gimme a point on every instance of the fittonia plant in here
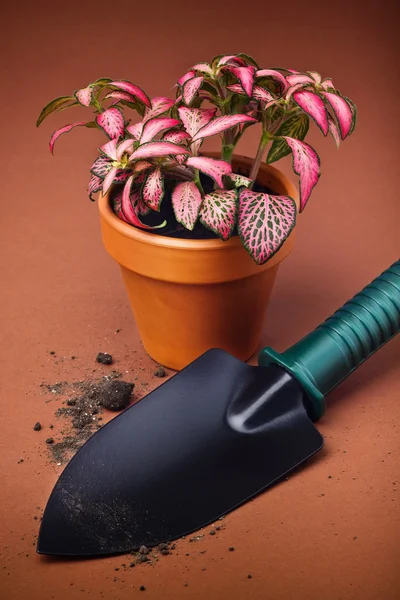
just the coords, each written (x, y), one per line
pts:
(223, 97)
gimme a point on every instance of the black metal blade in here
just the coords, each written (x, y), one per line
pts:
(207, 440)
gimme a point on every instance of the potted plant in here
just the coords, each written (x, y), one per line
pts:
(199, 236)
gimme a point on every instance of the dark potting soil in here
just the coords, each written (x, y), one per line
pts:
(176, 230)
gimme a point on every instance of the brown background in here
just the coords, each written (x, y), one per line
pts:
(60, 291)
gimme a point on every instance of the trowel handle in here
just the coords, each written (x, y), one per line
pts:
(327, 355)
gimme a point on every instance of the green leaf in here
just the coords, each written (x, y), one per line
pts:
(296, 127)
(92, 125)
(249, 59)
(102, 81)
(56, 105)
(353, 110)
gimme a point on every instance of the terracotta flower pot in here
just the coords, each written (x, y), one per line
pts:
(188, 296)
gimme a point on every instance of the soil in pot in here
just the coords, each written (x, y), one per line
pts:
(174, 229)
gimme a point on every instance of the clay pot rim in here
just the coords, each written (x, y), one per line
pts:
(188, 244)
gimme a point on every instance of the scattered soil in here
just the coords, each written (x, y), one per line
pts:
(104, 358)
(115, 395)
(160, 372)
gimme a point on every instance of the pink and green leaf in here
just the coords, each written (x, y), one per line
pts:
(264, 223)
(186, 202)
(159, 106)
(342, 111)
(327, 84)
(119, 96)
(220, 124)
(334, 130)
(240, 180)
(153, 189)
(110, 149)
(123, 148)
(316, 76)
(214, 168)
(61, 131)
(133, 90)
(157, 149)
(122, 175)
(176, 137)
(295, 126)
(233, 59)
(130, 206)
(246, 78)
(135, 130)
(314, 106)
(112, 122)
(218, 212)
(194, 119)
(155, 126)
(101, 166)
(191, 88)
(353, 109)
(306, 165)
(260, 93)
(299, 78)
(116, 202)
(94, 186)
(56, 105)
(189, 75)
(109, 179)
(236, 88)
(274, 75)
(84, 95)
(141, 165)
(203, 68)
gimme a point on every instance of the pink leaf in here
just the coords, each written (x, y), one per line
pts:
(109, 179)
(62, 130)
(314, 106)
(154, 126)
(181, 159)
(123, 147)
(233, 59)
(122, 175)
(101, 166)
(130, 206)
(220, 124)
(190, 89)
(84, 96)
(293, 88)
(342, 111)
(316, 76)
(274, 75)
(112, 122)
(239, 180)
(176, 137)
(135, 130)
(116, 200)
(186, 77)
(186, 201)
(139, 205)
(218, 212)
(203, 68)
(118, 96)
(212, 167)
(153, 189)
(194, 119)
(334, 131)
(327, 84)
(94, 186)
(159, 106)
(141, 165)
(110, 149)
(236, 88)
(264, 223)
(299, 78)
(133, 90)
(306, 165)
(246, 77)
(259, 93)
(155, 149)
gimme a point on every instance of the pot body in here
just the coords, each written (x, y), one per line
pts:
(188, 296)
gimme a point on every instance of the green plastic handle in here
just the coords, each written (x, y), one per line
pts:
(327, 355)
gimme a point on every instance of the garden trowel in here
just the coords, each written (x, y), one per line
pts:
(211, 437)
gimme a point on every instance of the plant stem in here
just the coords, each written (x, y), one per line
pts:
(227, 151)
(197, 181)
(259, 156)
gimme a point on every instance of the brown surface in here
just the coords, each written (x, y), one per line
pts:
(61, 292)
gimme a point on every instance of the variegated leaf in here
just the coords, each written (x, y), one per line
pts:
(264, 223)
(119, 96)
(101, 166)
(191, 88)
(176, 137)
(116, 202)
(157, 149)
(260, 93)
(153, 189)
(212, 167)
(94, 186)
(130, 206)
(141, 165)
(299, 78)
(135, 130)
(293, 88)
(342, 113)
(155, 126)
(194, 119)
(112, 122)
(296, 127)
(240, 180)
(133, 90)
(306, 165)
(218, 212)
(233, 59)
(186, 202)
(316, 76)
(85, 95)
(181, 158)
(327, 84)
(122, 175)
(203, 68)
(62, 130)
(333, 130)
(274, 75)
(220, 124)
(353, 109)
(109, 179)
(110, 149)
(182, 80)
(236, 88)
(124, 147)
(314, 106)
(246, 78)
(56, 105)
(159, 106)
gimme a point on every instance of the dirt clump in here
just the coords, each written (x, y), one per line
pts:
(104, 358)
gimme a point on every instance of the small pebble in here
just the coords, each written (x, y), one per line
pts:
(212, 532)
(50, 440)
(37, 426)
(160, 372)
(52, 352)
(104, 358)
(131, 565)
(142, 588)
(71, 402)
(249, 576)
(231, 548)
(144, 550)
